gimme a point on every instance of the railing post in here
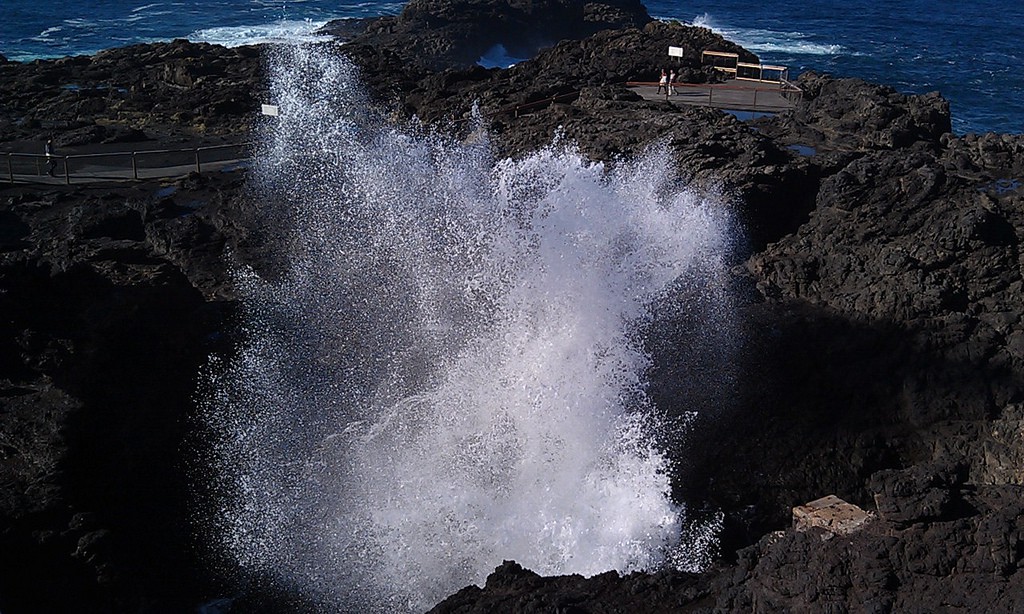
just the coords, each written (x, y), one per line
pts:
(67, 171)
(198, 169)
(10, 168)
(755, 98)
(135, 168)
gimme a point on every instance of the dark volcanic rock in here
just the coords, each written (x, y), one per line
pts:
(106, 295)
(178, 90)
(921, 493)
(437, 34)
(346, 29)
(514, 589)
(958, 563)
(914, 261)
(853, 115)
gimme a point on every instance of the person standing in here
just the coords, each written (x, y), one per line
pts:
(672, 83)
(51, 159)
(663, 82)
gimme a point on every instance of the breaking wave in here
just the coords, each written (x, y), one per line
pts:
(768, 41)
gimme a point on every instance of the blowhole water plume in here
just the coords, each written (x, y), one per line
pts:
(446, 371)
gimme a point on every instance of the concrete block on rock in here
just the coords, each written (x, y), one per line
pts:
(832, 514)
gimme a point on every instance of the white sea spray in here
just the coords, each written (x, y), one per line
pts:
(446, 372)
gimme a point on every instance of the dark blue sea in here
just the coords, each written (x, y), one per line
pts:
(970, 51)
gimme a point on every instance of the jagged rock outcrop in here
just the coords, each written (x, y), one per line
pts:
(167, 91)
(106, 295)
(854, 115)
(438, 34)
(928, 245)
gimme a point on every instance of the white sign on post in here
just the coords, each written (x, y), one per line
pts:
(270, 109)
(675, 52)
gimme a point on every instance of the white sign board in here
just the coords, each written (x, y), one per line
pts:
(270, 109)
(675, 52)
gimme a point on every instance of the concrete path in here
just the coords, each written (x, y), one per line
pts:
(121, 166)
(99, 173)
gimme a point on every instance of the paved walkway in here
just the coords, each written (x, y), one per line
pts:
(99, 173)
(121, 166)
(736, 95)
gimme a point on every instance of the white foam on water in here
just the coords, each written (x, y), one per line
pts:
(282, 31)
(760, 40)
(81, 23)
(498, 57)
(376, 8)
(447, 373)
(145, 7)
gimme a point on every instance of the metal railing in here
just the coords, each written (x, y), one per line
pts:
(791, 91)
(518, 109)
(523, 108)
(724, 61)
(124, 165)
(778, 98)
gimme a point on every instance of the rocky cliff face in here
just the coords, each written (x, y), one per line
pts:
(884, 347)
(111, 300)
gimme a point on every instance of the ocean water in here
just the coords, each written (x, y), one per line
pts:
(970, 51)
(32, 29)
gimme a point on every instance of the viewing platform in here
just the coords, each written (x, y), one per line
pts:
(121, 165)
(756, 88)
(733, 95)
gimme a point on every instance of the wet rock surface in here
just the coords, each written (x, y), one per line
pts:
(879, 286)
